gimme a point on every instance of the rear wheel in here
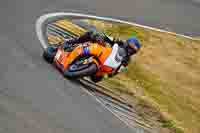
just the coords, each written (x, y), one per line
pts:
(87, 70)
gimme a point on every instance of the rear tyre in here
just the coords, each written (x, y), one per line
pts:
(90, 70)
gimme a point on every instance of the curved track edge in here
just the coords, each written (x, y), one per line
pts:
(46, 18)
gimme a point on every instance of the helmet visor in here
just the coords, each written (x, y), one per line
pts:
(132, 46)
(131, 51)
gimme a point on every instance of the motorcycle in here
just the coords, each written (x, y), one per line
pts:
(91, 66)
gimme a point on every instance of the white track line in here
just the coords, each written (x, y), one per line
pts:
(43, 18)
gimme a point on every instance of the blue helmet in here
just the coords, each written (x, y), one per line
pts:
(133, 45)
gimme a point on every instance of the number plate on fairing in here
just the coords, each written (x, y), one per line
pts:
(60, 55)
(59, 58)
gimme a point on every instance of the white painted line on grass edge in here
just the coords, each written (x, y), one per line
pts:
(44, 17)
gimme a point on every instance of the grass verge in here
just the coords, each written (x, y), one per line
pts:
(164, 78)
(165, 72)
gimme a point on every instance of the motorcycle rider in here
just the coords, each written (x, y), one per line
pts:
(127, 47)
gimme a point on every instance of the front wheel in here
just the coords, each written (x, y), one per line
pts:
(88, 70)
(49, 54)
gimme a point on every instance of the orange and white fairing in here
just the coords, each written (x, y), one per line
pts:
(102, 56)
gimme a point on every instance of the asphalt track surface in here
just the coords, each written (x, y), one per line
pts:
(34, 97)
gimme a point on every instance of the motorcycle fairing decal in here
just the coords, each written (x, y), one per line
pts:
(86, 51)
(111, 61)
(72, 56)
(96, 49)
(58, 54)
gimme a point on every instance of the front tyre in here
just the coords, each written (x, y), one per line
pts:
(49, 54)
(89, 70)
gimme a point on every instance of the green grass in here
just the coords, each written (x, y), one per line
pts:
(172, 125)
(167, 70)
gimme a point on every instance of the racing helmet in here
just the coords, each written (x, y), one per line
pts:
(133, 45)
